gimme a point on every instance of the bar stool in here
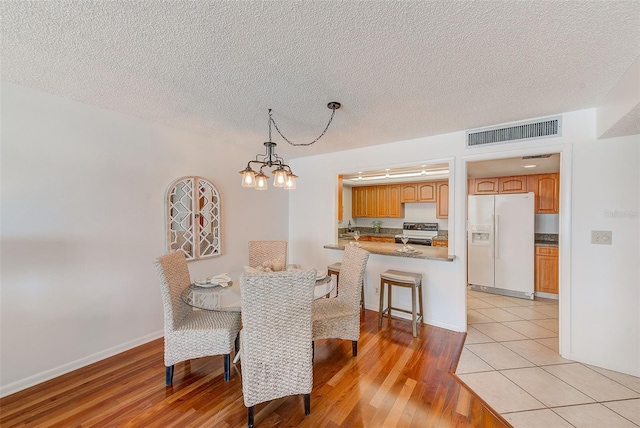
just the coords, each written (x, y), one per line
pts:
(402, 279)
(334, 269)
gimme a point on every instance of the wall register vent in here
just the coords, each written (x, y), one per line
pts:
(550, 127)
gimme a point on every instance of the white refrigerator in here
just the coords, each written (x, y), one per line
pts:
(500, 244)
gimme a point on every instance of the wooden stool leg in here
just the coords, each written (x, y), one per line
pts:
(381, 302)
(413, 310)
(420, 303)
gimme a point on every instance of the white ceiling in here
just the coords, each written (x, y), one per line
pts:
(401, 70)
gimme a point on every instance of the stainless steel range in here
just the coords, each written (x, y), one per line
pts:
(418, 233)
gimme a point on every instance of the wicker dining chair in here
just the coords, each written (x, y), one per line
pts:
(339, 318)
(191, 334)
(267, 251)
(276, 337)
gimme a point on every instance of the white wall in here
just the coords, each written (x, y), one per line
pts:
(582, 295)
(605, 284)
(82, 220)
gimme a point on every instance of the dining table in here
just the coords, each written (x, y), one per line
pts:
(226, 297)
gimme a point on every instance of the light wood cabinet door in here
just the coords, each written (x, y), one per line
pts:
(409, 192)
(371, 203)
(382, 206)
(484, 186)
(382, 239)
(396, 209)
(427, 192)
(442, 201)
(546, 269)
(340, 208)
(439, 243)
(358, 202)
(547, 190)
(513, 184)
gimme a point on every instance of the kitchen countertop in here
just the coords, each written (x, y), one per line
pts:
(389, 249)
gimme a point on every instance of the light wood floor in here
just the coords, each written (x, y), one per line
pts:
(394, 381)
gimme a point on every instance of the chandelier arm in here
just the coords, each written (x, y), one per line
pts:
(271, 120)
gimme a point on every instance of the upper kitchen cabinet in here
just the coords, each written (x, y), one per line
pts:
(547, 190)
(377, 201)
(483, 186)
(419, 192)
(358, 202)
(409, 192)
(513, 184)
(442, 200)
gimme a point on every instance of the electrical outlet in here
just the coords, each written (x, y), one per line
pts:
(377, 289)
(601, 237)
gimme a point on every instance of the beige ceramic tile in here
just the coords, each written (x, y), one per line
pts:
(473, 293)
(593, 416)
(527, 313)
(551, 311)
(546, 388)
(474, 336)
(498, 314)
(536, 419)
(500, 301)
(498, 356)
(629, 409)
(550, 324)
(500, 393)
(535, 352)
(499, 332)
(629, 381)
(551, 343)
(475, 303)
(529, 329)
(470, 363)
(474, 317)
(590, 382)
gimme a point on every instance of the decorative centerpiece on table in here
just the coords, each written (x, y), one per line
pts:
(376, 226)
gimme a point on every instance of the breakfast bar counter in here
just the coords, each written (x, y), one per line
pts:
(394, 250)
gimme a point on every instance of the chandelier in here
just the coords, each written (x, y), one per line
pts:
(282, 175)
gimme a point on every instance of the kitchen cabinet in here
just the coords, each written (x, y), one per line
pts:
(340, 208)
(418, 192)
(370, 238)
(409, 192)
(513, 184)
(382, 209)
(546, 269)
(439, 243)
(442, 199)
(547, 191)
(396, 209)
(426, 191)
(377, 201)
(371, 201)
(358, 202)
(483, 186)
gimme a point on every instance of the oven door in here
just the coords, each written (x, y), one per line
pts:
(419, 241)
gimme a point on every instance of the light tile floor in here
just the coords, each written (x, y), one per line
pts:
(510, 358)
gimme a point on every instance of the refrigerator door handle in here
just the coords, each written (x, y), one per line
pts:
(492, 242)
(496, 228)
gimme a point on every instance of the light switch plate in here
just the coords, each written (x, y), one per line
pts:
(602, 237)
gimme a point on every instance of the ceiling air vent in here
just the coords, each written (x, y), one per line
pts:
(550, 127)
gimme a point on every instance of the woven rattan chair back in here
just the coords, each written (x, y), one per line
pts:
(276, 334)
(267, 251)
(173, 273)
(354, 262)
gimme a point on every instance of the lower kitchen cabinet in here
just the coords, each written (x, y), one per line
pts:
(546, 269)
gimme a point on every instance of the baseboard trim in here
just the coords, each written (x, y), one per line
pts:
(46, 375)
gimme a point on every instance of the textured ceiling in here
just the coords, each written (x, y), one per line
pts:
(400, 69)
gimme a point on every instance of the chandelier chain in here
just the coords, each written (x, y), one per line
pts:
(333, 112)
